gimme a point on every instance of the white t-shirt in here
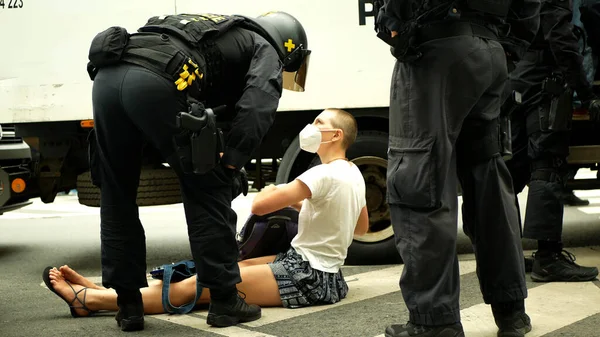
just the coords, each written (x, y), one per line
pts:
(327, 220)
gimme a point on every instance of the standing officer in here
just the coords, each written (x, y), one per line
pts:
(587, 35)
(445, 103)
(550, 70)
(156, 86)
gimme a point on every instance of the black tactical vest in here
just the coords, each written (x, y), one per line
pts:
(181, 48)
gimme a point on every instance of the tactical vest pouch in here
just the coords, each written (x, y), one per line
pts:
(494, 7)
(192, 28)
(108, 46)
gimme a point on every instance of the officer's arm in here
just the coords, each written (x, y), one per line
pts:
(524, 20)
(558, 31)
(272, 198)
(390, 14)
(255, 110)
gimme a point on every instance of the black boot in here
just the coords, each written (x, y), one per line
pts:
(409, 330)
(130, 316)
(228, 312)
(560, 266)
(511, 319)
(529, 264)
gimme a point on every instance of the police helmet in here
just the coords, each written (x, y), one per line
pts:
(289, 38)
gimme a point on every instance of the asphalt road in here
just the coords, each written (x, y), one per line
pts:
(67, 233)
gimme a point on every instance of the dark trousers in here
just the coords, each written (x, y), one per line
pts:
(533, 149)
(437, 104)
(133, 106)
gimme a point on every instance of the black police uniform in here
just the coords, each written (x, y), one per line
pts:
(135, 103)
(540, 131)
(445, 101)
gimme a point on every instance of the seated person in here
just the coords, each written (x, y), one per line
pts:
(332, 205)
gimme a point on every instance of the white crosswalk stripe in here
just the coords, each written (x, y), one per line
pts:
(551, 306)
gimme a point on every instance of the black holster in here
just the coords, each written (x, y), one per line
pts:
(556, 111)
(504, 124)
(205, 139)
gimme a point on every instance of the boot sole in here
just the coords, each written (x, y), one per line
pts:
(538, 278)
(131, 324)
(223, 321)
(458, 334)
(519, 333)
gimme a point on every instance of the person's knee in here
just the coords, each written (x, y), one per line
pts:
(478, 142)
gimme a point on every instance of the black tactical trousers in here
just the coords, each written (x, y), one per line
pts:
(539, 157)
(132, 106)
(438, 106)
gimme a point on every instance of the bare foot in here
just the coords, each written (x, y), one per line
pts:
(75, 278)
(61, 286)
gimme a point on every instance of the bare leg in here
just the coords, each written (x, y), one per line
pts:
(256, 260)
(258, 284)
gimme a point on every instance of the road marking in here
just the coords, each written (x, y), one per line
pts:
(198, 322)
(368, 285)
(551, 307)
(589, 210)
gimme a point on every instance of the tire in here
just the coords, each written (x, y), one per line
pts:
(157, 187)
(369, 153)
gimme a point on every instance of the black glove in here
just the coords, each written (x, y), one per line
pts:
(593, 107)
(240, 183)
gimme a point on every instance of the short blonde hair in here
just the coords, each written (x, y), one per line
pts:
(345, 121)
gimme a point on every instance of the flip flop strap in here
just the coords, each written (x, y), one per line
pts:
(83, 306)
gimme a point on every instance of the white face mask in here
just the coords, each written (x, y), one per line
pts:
(310, 138)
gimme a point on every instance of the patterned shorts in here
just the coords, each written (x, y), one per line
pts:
(300, 285)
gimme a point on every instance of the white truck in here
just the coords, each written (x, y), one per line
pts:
(45, 100)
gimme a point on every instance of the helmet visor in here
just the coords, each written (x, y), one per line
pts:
(295, 80)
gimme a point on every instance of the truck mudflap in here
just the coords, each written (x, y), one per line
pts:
(10, 187)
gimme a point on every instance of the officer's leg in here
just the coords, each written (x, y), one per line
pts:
(154, 104)
(429, 101)
(491, 220)
(544, 218)
(118, 151)
(490, 216)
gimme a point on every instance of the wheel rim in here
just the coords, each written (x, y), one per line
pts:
(374, 170)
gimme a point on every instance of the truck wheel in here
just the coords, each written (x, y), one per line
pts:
(157, 187)
(369, 153)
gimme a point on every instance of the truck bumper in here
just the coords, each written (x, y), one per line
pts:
(9, 199)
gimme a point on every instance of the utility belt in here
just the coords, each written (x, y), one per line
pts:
(200, 143)
(454, 28)
(163, 54)
(405, 45)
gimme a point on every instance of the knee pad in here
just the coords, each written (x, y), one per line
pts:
(479, 141)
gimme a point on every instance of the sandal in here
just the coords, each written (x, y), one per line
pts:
(46, 278)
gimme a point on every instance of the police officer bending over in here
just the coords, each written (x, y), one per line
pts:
(159, 86)
(550, 70)
(445, 103)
